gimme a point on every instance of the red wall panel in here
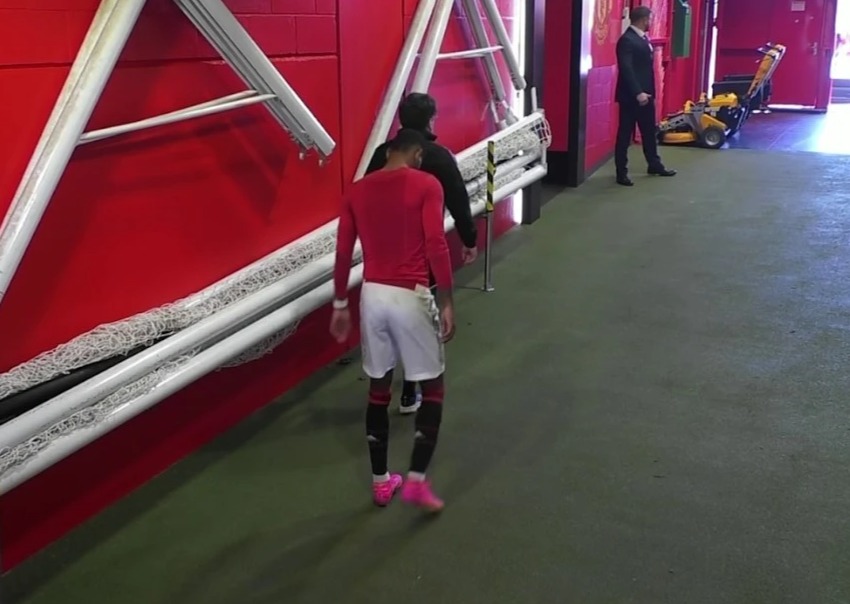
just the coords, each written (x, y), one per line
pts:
(601, 115)
(742, 28)
(145, 219)
(601, 82)
(682, 75)
(556, 77)
(368, 54)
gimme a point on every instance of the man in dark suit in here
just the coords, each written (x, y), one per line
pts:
(636, 96)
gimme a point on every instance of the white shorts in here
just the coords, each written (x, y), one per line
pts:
(399, 324)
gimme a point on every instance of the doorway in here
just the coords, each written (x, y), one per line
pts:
(805, 27)
(840, 67)
(810, 91)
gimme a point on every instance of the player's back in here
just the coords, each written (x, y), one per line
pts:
(387, 206)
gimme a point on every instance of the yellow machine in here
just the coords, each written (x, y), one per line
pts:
(709, 122)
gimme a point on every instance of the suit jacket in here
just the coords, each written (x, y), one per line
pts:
(440, 162)
(636, 67)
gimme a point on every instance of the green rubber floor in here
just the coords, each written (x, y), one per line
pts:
(652, 407)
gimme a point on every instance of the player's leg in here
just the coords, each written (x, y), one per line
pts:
(415, 328)
(379, 360)
(411, 396)
(417, 489)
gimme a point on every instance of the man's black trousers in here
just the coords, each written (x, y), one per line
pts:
(632, 114)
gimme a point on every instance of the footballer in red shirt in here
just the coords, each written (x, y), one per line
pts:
(397, 213)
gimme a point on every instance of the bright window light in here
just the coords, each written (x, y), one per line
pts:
(518, 104)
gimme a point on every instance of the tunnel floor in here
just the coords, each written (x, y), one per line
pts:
(652, 407)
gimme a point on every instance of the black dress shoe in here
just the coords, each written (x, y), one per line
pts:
(661, 171)
(625, 181)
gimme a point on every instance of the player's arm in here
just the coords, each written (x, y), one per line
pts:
(437, 251)
(346, 236)
(456, 196)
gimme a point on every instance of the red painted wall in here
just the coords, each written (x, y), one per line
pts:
(601, 82)
(557, 50)
(682, 75)
(744, 26)
(148, 218)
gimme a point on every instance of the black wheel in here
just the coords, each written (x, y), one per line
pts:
(713, 137)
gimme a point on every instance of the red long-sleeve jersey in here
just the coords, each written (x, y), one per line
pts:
(398, 216)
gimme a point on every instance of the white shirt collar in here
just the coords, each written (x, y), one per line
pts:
(640, 32)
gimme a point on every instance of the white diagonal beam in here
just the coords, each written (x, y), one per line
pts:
(236, 46)
(92, 67)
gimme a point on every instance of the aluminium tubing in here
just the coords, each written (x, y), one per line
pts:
(479, 35)
(504, 39)
(431, 50)
(189, 113)
(213, 357)
(19, 403)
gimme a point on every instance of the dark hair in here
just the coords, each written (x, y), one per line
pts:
(639, 12)
(417, 110)
(406, 140)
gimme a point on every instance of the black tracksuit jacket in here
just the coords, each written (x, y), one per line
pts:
(440, 162)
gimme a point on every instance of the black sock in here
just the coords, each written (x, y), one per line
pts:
(377, 435)
(408, 390)
(427, 429)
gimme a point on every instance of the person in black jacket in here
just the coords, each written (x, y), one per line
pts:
(636, 96)
(417, 112)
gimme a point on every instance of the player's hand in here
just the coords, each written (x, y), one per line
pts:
(447, 322)
(643, 98)
(341, 325)
(469, 254)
